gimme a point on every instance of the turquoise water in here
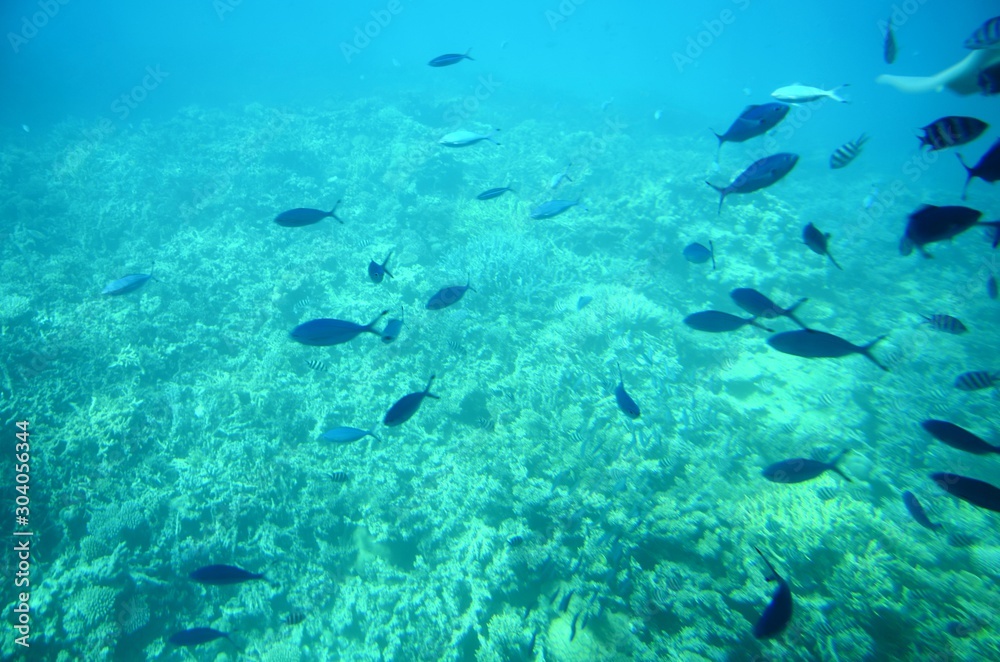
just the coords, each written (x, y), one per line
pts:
(521, 516)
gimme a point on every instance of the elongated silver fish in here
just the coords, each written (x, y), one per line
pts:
(847, 152)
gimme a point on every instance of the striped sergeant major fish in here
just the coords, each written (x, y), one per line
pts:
(986, 35)
(847, 152)
(976, 380)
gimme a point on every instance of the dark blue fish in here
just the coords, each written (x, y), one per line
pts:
(958, 437)
(494, 193)
(552, 208)
(625, 401)
(917, 511)
(393, 328)
(408, 405)
(450, 59)
(986, 169)
(931, 223)
(812, 344)
(759, 305)
(761, 174)
(447, 296)
(326, 331)
(799, 469)
(583, 301)
(222, 575)
(976, 380)
(378, 271)
(294, 218)
(986, 35)
(754, 121)
(714, 321)
(889, 45)
(951, 131)
(989, 80)
(778, 612)
(991, 287)
(847, 152)
(126, 284)
(817, 242)
(346, 435)
(697, 253)
(196, 636)
(946, 323)
(976, 492)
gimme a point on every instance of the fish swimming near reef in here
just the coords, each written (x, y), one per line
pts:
(301, 216)
(986, 169)
(755, 120)
(951, 131)
(223, 575)
(696, 253)
(393, 328)
(463, 138)
(126, 284)
(447, 296)
(625, 402)
(986, 35)
(492, 193)
(889, 44)
(760, 305)
(931, 223)
(563, 176)
(760, 174)
(404, 408)
(378, 271)
(976, 380)
(818, 242)
(958, 437)
(449, 59)
(715, 321)
(799, 469)
(326, 331)
(846, 153)
(339, 476)
(778, 612)
(917, 511)
(346, 435)
(812, 344)
(804, 93)
(197, 636)
(945, 323)
(977, 492)
(552, 208)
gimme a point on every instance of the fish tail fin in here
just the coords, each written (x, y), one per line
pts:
(836, 97)
(834, 261)
(754, 322)
(711, 247)
(371, 433)
(427, 391)
(866, 350)
(387, 272)
(773, 576)
(493, 133)
(791, 310)
(835, 461)
(368, 327)
(718, 151)
(333, 212)
(969, 175)
(467, 51)
(996, 235)
(722, 194)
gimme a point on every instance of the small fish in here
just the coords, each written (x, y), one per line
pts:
(976, 380)
(804, 93)
(407, 406)
(986, 35)
(449, 59)
(945, 323)
(393, 328)
(991, 287)
(558, 179)
(378, 271)
(987, 169)
(931, 223)
(624, 400)
(951, 131)
(447, 296)
(564, 603)
(754, 121)
(295, 618)
(714, 321)
(295, 218)
(799, 470)
(818, 242)
(657, 114)
(515, 541)
(318, 366)
(464, 138)
(196, 636)
(976, 492)
(552, 208)
(871, 198)
(813, 344)
(126, 284)
(223, 575)
(917, 511)
(989, 80)
(759, 305)
(760, 174)
(847, 152)
(696, 253)
(778, 611)
(326, 331)
(889, 45)
(583, 301)
(346, 435)
(958, 437)
(339, 476)
(489, 194)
